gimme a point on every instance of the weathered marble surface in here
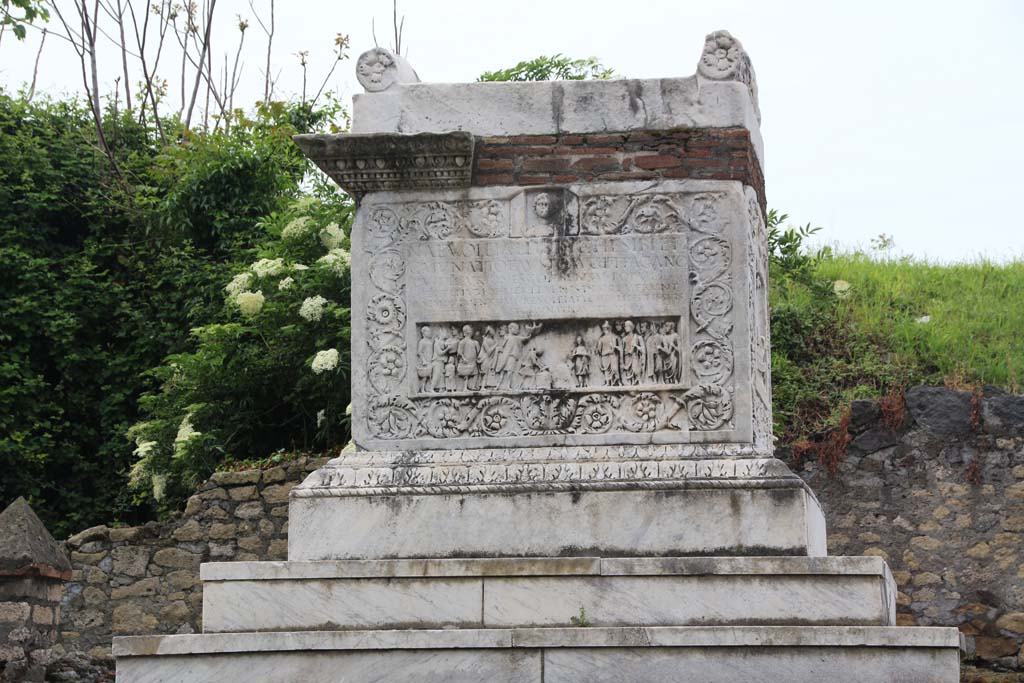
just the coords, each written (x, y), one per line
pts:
(480, 593)
(741, 518)
(601, 314)
(721, 654)
(561, 106)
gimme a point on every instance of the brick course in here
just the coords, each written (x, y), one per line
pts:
(702, 153)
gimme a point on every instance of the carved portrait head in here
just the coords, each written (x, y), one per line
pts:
(606, 326)
(426, 332)
(629, 326)
(513, 328)
(467, 331)
(542, 205)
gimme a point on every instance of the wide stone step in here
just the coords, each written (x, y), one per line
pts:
(838, 654)
(546, 592)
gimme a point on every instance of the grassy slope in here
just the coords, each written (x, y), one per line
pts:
(829, 350)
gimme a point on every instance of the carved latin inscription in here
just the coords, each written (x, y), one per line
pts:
(511, 317)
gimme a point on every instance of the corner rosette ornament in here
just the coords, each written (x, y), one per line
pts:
(387, 270)
(709, 407)
(393, 417)
(383, 225)
(711, 256)
(497, 416)
(712, 361)
(387, 312)
(596, 414)
(444, 419)
(642, 415)
(387, 369)
(724, 59)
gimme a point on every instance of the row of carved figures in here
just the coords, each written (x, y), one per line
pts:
(502, 358)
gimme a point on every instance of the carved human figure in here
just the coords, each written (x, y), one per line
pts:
(437, 362)
(619, 328)
(488, 359)
(451, 351)
(579, 360)
(609, 350)
(669, 351)
(655, 366)
(424, 358)
(531, 367)
(468, 358)
(634, 353)
(511, 352)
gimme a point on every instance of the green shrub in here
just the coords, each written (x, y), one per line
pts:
(270, 371)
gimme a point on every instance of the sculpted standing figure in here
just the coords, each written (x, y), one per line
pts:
(424, 358)
(579, 359)
(468, 354)
(633, 355)
(488, 359)
(609, 349)
(670, 348)
(655, 367)
(512, 351)
(437, 362)
(451, 350)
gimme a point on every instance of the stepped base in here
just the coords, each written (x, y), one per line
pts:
(516, 593)
(559, 655)
(696, 518)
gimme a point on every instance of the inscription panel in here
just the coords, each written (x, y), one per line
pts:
(612, 313)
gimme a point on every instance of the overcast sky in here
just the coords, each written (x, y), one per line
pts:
(896, 117)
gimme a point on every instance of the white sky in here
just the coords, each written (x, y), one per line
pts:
(897, 117)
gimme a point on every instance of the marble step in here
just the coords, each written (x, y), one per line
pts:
(734, 654)
(546, 592)
(777, 515)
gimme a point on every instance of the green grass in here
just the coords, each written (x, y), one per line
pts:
(828, 350)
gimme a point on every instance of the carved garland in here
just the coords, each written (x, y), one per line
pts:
(707, 406)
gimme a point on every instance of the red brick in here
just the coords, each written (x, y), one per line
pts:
(570, 140)
(606, 139)
(515, 151)
(658, 161)
(534, 180)
(494, 179)
(583, 150)
(676, 173)
(597, 164)
(534, 139)
(631, 175)
(495, 164)
(643, 136)
(545, 164)
(566, 179)
(495, 140)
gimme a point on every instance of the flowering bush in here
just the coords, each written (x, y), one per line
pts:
(271, 372)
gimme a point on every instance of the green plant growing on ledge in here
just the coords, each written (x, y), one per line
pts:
(580, 620)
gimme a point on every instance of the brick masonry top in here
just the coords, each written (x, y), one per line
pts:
(700, 153)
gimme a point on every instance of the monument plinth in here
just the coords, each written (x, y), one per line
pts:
(562, 411)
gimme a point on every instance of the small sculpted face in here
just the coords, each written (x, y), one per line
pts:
(542, 205)
(372, 68)
(427, 332)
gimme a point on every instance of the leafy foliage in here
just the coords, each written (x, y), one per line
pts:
(252, 383)
(105, 273)
(554, 68)
(25, 12)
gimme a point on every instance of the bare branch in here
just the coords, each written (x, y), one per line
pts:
(202, 59)
(147, 76)
(35, 69)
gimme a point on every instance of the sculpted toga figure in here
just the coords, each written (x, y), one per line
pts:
(669, 352)
(609, 349)
(438, 357)
(468, 353)
(579, 360)
(655, 368)
(488, 358)
(511, 352)
(424, 358)
(633, 355)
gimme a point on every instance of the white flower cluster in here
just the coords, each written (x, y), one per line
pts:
(239, 284)
(267, 266)
(185, 431)
(338, 260)
(325, 361)
(159, 486)
(285, 283)
(250, 303)
(312, 309)
(145, 448)
(321, 418)
(296, 229)
(332, 236)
